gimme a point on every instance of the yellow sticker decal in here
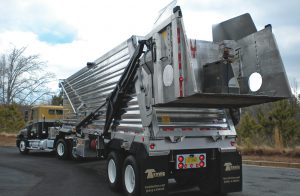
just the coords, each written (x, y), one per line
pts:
(164, 34)
(165, 119)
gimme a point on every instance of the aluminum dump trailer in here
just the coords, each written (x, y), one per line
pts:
(162, 106)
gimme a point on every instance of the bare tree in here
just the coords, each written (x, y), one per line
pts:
(23, 79)
(295, 89)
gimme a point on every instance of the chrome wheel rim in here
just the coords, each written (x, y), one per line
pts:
(112, 171)
(22, 146)
(129, 178)
(60, 149)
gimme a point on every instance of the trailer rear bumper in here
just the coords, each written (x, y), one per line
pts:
(221, 172)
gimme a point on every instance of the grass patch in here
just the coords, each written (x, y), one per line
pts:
(7, 139)
(269, 151)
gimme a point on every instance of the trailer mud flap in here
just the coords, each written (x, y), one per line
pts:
(154, 175)
(231, 172)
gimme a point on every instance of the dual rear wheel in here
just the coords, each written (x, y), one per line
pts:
(123, 173)
(64, 149)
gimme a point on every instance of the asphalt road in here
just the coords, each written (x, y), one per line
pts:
(42, 174)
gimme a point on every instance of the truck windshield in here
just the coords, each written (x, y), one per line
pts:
(55, 112)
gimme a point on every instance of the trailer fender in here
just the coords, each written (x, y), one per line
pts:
(153, 171)
(230, 172)
(115, 144)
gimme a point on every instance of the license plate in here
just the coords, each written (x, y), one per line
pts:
(192, 160)
(188, 161)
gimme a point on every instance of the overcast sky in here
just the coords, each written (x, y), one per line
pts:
(68, 33)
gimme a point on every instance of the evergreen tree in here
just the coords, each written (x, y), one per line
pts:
(273, 124)
(283, 116)
(11, 119)
(57, 99)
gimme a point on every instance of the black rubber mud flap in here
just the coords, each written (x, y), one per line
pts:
(154, 177)
(154, 173)
(231, 172)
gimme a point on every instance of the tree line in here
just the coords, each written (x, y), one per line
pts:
(23, 83)
(274, 124)
(23, 78)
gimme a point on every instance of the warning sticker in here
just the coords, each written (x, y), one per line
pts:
(155, 188)
(165, 119)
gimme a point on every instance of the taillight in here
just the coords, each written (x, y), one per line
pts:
(180, 165)
(152, 146)
(180, 158)
(201, 157)
(201, 164)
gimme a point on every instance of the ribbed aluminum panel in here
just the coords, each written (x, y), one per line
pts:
(192, 122)
(88, 88)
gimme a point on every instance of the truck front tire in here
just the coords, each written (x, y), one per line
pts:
(131, 178)
(114, 170)
(62, 151)
(22, 147)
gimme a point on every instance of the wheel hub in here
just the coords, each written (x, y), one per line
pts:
(112, 171)
(129, 178)
(22, 146)
(60, 149)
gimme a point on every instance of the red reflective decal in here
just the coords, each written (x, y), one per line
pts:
(193, 48)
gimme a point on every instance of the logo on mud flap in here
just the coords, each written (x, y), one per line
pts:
(151, 173)
(229, 167)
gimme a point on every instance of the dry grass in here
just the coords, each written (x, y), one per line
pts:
(274, 158)
(7, 139)
(269, 151)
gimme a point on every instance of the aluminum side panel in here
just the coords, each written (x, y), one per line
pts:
(88, 88)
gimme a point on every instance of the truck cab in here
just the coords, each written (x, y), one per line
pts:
(41, 118)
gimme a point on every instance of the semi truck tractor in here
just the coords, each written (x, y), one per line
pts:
(163, 106)
(35, 135)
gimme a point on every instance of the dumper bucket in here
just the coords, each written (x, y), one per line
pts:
(241, 67)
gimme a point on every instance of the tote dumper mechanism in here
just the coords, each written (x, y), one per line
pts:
(163, 106)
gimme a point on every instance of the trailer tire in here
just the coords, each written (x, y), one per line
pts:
(62, 151)
(22, 147)
(72, 152)
(131, 178)
(114, 170)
